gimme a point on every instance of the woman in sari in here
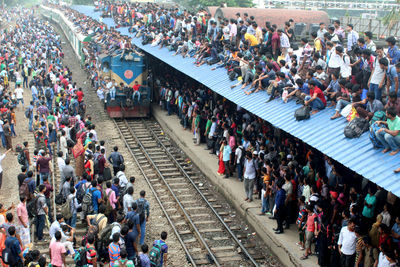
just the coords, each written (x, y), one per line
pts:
(221, 168)
(79, 154)
(89, 166)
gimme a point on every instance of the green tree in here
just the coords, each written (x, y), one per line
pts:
(392, 17)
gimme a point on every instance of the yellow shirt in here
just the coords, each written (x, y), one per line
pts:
(317, 45)
(103, 222)
(251, 38)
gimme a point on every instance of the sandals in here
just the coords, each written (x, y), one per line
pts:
(304, 257)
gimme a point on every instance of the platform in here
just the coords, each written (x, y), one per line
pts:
(284, 245)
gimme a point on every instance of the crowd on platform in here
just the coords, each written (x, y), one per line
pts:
(350, 220)
(93, 185)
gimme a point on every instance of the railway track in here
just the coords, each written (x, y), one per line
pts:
(204, 223)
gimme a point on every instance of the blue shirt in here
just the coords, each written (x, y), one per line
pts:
(396, 229)
(352, 38)
(115, 189)
(130, 239)
(31, 184)
(95, 197)
(134, 217)
(144, 260)
(34, 90)
(305, 89)
(334, 85)
(226, 156)
(280, 199)
(394, 54)
(80, 183)
(392, 73)
(13, 244)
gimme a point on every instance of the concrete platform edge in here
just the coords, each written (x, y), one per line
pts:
(250, 213)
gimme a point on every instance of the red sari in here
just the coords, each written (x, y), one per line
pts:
(221, 168)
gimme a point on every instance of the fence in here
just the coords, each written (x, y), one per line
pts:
(376, 26)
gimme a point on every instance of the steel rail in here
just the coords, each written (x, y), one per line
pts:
(182, 170)
(190, 258)
(188, 219)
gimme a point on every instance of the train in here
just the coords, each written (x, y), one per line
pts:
(127, 69)
(124, 68)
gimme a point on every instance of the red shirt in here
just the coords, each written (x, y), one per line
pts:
(136, 87)
(80, 96)
(319, 93)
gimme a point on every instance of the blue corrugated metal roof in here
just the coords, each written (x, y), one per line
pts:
(320, 132)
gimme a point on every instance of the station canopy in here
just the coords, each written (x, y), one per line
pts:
(319, 132)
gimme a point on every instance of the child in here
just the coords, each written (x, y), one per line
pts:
(124, 260)
(265, 192)
(301, 221)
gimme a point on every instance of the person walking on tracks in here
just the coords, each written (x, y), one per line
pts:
(42, 211)
(159, 252)
(116, 159)
(143, 209)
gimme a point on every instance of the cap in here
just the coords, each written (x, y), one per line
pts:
(255, 153)
(289, 156)
(334, 194)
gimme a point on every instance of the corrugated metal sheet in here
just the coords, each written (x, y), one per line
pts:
(320, 132)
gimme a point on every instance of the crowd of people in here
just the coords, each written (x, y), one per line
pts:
(93, 185)
(350, 220)
(341, 217)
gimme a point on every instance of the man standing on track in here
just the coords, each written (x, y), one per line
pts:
(144, 209)
(116, 159)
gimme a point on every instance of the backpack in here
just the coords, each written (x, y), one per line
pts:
(66, 210)
(8, 257)
(94, 229)
(137, 261)
(47, 93)
(18, 148)
(104, 235)
(372, 136)
(24, 189)
(21, 158)
(87, 202)
(109, 208)
(96, 165)
(31, 207)
(378, 116)
(80, 258)
(232, 75)
(28, 113)
(80, 193)
(356, 127)
(140, 210)
(60, 200)
(155, 254)
(302, 113)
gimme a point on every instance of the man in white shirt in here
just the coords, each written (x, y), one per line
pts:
(19, 94)
(377, 79)
(321, 31)
(347, 244)
(123, 181)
